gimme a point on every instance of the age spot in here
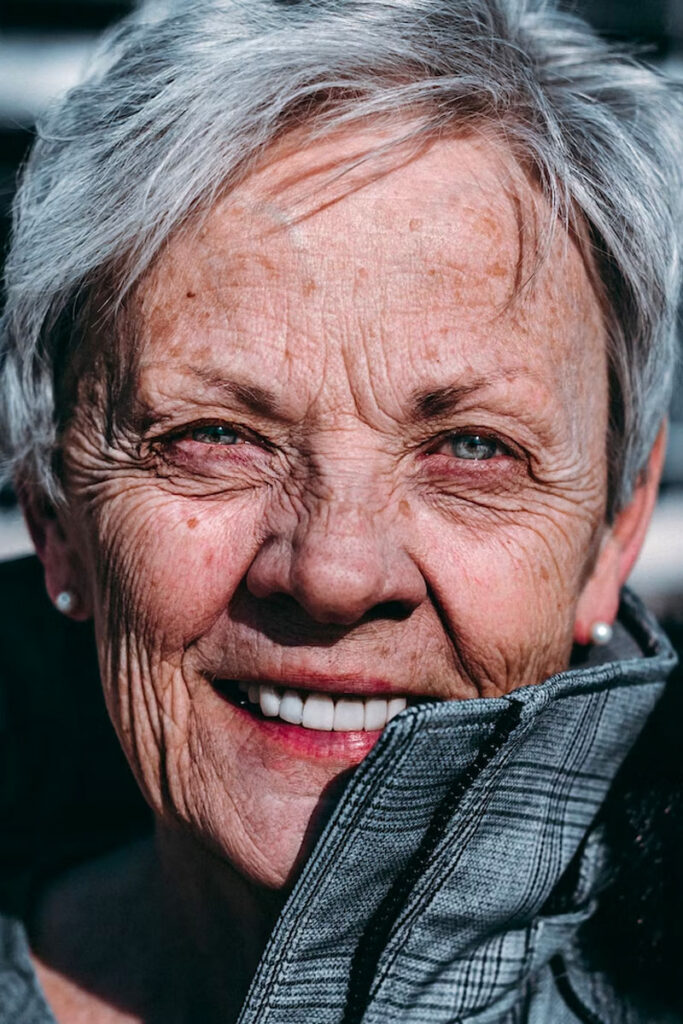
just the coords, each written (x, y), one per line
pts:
(192, 523)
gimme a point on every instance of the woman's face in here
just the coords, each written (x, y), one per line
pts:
(351, 462)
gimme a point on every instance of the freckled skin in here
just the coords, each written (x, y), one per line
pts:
(340, 523)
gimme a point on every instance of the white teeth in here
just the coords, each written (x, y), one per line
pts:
(396, 706)
(349, 715)
(269, 701)
(321, 711)
(291, 708)
(318, 712)
(375, 714)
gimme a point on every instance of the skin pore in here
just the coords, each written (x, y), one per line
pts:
(357, 459)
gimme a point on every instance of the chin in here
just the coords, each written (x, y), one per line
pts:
(260, 792)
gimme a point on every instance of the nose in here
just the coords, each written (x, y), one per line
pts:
(340, 564)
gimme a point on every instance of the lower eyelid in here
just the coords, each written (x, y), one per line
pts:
(451, 467)
(208, 443)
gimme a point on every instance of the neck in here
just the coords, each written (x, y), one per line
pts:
(217, 925)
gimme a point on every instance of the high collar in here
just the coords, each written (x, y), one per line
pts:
(429, 894)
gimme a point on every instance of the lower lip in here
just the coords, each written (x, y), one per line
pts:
(347, 747)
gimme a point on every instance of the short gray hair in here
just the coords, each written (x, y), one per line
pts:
(178, 107)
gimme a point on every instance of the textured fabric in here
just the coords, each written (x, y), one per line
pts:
(21, 998)
(459, 863)
(636, 935)
(424, 900)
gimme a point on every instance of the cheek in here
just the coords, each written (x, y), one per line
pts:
(167, 566)
(173, 566)
(508, 592)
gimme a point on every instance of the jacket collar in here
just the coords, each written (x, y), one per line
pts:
(432, 892)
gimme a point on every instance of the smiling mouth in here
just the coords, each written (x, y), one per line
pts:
(313, 710)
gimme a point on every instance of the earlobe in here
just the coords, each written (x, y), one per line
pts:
(599, 599)
(62, 562)
(620, 547)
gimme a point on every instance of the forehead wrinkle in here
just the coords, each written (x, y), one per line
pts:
(261, 279)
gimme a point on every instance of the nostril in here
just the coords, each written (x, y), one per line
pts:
(397, 611)
(337, 578)
(284, 606)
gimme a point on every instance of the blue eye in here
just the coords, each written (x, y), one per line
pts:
(215, 434)
(475, 447)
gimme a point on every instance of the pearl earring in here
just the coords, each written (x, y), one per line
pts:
(65, 601)
(601, 633)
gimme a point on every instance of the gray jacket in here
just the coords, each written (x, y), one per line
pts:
(454, 875)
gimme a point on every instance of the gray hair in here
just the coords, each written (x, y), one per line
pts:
(179, 106)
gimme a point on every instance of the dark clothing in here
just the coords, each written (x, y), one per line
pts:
(481, 865)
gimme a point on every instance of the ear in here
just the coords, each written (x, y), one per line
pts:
(621, 544)
(61, 556)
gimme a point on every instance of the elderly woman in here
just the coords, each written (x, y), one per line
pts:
(337, 345)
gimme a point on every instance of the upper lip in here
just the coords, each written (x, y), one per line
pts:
(364, 685)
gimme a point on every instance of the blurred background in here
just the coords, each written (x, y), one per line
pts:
(44, 45)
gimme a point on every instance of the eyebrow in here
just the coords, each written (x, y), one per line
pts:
(253, 397)
(436, 402)
(424, 404)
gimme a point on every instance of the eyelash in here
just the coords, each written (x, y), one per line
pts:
(206, 427)
(241, 435)
(473, 434)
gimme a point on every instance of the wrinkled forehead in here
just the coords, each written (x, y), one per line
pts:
(464, 203)
(320, 248)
